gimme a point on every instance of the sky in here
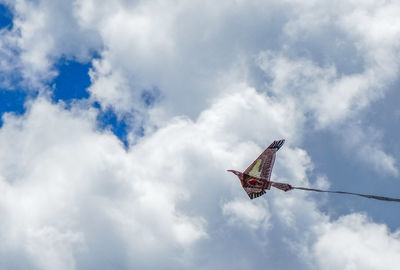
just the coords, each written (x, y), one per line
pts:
(119, 121)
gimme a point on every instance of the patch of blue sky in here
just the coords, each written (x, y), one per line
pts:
(108, 119)
(6, 17)
(72, 81)
(122, 125)
(12, 101)
(72, 84)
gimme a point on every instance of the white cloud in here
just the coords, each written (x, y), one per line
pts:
(188, 49)
(193, 63)
(72, 193)
(8, 63)
(66, 187)
(320, 91)
(245, 212)
(354, 242)
(74, 198)
(43, 32)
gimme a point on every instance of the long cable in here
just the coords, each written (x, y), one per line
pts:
(351, 193)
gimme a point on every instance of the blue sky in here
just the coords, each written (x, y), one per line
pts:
(118, 124)
(6, 18)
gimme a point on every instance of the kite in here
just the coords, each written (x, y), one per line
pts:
(256, 178)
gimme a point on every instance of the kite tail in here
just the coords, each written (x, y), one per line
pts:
(350, 193)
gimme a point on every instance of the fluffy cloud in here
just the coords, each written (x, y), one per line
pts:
(354, 242)
(317, 90)
(329, 99)
(42, 33)
(8, 63)
(147, 46)
(73, 198)
(246, 212)
(72, 193)
(232, 76)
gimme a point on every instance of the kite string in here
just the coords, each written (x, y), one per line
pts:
(350, 193)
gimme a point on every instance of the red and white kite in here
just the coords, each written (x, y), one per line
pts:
(256, 178)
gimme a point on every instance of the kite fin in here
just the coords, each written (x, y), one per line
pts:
(277, 144)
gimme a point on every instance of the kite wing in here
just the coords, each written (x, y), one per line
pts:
(256, 177)
(262, 166)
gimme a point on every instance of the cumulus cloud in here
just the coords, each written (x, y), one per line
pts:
(72, 193)
(232, 76)
(76, 193)
(55, 186)
(246, 212)
(145, 44)
(42, 33)
(148, 46)
(354, 242)
(62, 190)
(330, 98)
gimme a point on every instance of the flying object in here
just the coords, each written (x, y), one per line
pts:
(256, 179)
